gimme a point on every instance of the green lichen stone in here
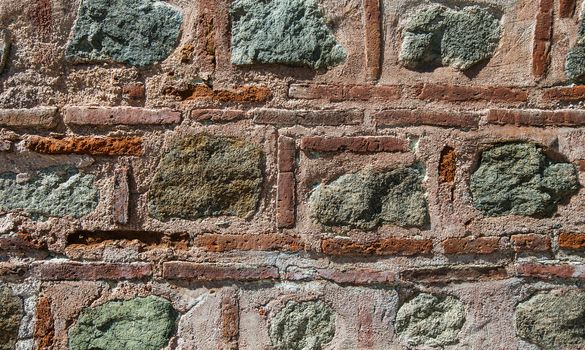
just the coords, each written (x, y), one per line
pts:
(136, 324)
(11, 314)
(56, 191)
(290, 32)
(136, 32)
(430, 320)
(519, 179)
(575, 62)
(554, 320)
(204, 175)
(302, 326)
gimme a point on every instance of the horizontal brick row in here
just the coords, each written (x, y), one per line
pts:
(354, 144)
(336, 93)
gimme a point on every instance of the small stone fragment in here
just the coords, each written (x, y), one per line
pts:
(136, 324)
(554, 320)
(4, 48)
(136, 32)
(430, 320)
(438, 35)
(291, 32)
(519, 179)
(206, 175)
(54, 191)
(11, 314)
(365, 200)
(302, 326)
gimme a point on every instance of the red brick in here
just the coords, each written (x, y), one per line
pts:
(469, 245)
(419, 117)
(352, 276)
(22, 245)
(230, 318)
(285, 200)
(546, 271)
(572, 241)
(354, 144)
(41, 117)
(121, 196)
(176, 270)
(44, 330)
(542, 38)
(263, 242)
(287, 149)
(462, 93)
(390, 246)
(531, 243)
(217, 115)
(134, 91)
(337, 93)
(97, 146)
(453, 274)
(567, 8)
(119, 116)
(373, 38)
(57, 271)
(565, 94)
(537, 118)
(285, 117)
(202, 92)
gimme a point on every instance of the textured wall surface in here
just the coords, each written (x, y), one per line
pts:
(292, 174)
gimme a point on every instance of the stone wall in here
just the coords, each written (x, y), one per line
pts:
(292, 174)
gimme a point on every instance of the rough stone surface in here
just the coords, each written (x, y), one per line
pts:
(136, 324)
(519, 179)
(11, 313)
(290, 32)
(554, 320)
(430, 320)
(54, 191)
(365, 200)
(436, 35)
(4, 48)
(205, 176)
(302, 326)
(575, 63)
(137, 32)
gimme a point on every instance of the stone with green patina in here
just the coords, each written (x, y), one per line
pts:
(137, 324)
(204, 176)
(575, 62)
(290, 32)
(11, 314)
(438, 35)
(4, 48)
(56, 191)
(136, 32)
(553, 320)
(305, 325)
(430, 320)
(368, 199)
(519, 179)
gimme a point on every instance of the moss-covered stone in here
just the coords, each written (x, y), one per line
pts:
(554, 320)
(575, 63)
(430, 320)
(55, 191)
(302, 326)
(365, 200)
(136, 324)
(206, 175)
(437, 35)
(11, 314)
(137, 32)
(519, 179)
(291, 32)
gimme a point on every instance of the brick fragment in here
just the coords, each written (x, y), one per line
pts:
(373, 36)
(177, 270)
(567, 8)
(134, 91)
(22, 245)
(72, 271)
(462, 93)
(285, 117)
(96, 146)
(531, 243)
(454, 274)
(447, 165)
(565, 94)
(420, 117)
(390, 246)
(44, 330)
(10, 270)
(217, 115)
(40, 117)
(202, 92)
(469, 245)
(287, 150)
(546, 271)
(542, 38)
(285, 200)
(337, 93)
(572, 241)
(537, 118)
(344, 276)
(354, 144)
(230, 318)
(262, 242)
(121, 196)
(83, 115)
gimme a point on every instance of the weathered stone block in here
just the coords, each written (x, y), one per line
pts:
(430, 320)
(575, 63)
(11, 313)
(4, 48)
(55, 191)
(436, 34)
(553, 320)
(136, 32)
(519, 179)
(136, 324)
(206, 175)
(302, 326)
(291, 32)
(365, 200)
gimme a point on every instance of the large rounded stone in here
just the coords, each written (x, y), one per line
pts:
(430, 320)
(136, 324)
(206, 175)
(519, 179)
(11, 313)
(554, 320)
(302, 326)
